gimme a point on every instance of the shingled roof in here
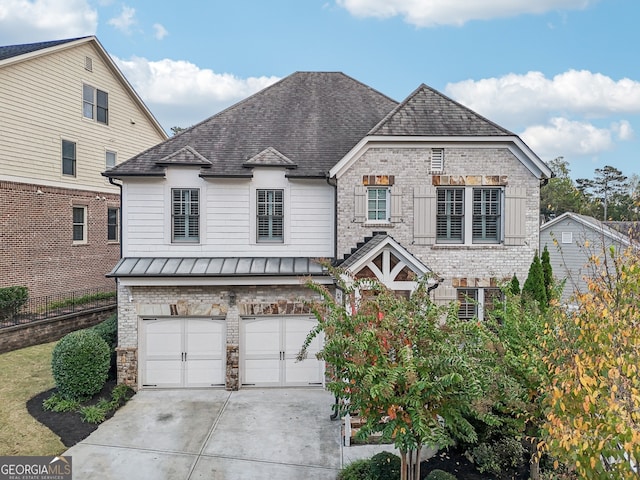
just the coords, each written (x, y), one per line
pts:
(312, 119)
(10, 51)
(427, 112)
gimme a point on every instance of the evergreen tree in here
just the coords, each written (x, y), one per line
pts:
(534, 285)
(548, 272)
(514, 285)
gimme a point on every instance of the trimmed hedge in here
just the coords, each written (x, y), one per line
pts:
(80, 364)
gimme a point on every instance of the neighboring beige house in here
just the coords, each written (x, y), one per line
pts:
(573, 239)
(67, 114)
(221, 223)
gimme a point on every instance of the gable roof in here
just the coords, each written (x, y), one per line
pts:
(427, 112)
(590, 223)
(12, 54)
(311, 118)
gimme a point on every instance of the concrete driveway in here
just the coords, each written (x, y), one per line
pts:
(214, 434)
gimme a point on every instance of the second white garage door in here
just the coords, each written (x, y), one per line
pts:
(183, 352)
(269, 346)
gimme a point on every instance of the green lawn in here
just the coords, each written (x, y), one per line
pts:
(23, 374)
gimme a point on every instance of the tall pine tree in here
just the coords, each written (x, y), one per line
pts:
(534, 285)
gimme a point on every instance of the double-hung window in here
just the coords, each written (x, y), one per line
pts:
(378, 204)
(486, 215)
(185, 214)
(477, 302)
(79, 225)
(68, 158)
(450, 215)
(109, 159)
(113, 217)
(95, 104)
(270, 215)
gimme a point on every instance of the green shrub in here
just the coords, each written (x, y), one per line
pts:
(440, 475)
(497, 456)
(97, 413)
(91, 297)
(357, 470)
(108, 330)
(80, 364)
(385, 466)
(11, 299)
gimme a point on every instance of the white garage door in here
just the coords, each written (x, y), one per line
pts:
(183, 352)
(269, 346)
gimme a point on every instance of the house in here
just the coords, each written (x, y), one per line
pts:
(221, 222)
(572, 239)
(67, 114)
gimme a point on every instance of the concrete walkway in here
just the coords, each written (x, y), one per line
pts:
(215, 435)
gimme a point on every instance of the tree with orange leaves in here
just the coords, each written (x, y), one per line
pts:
(593, 400)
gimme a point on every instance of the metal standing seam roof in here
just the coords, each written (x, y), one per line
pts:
(216, 267)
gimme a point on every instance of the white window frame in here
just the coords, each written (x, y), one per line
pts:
(377, 210)
(115, 225)
(110, 159)
(77, 224)
(467, 216)
(91, 109)
(271, 215)
(567, 237)
(187, 206)
(476, 301)
(74, 160)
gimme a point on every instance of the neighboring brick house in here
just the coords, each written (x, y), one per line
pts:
(67, 113)
(573, 239)
(221, 222)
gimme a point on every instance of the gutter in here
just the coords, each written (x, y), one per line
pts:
(119, 185)
(334, 184)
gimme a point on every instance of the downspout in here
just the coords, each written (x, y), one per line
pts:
(334, 184)
(119, 185)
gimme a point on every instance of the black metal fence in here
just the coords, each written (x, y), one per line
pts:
(40, 308)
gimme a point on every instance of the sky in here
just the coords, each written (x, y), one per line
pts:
(564, 75)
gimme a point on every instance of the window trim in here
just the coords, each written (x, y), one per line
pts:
(484, 217)
(387, 202)
(106, 158)
(270, 217)
(477, 302)
(115, 226)
(83, 224)
(468, 217)
(74, 160)
(98, 104)
(449, 215)
(188, 216)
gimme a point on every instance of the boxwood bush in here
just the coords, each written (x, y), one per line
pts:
(108, 330)
(385, 465)
(11, 299)
(80, 364)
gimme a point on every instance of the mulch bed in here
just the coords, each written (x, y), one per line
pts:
(454, 461)
(67, 425)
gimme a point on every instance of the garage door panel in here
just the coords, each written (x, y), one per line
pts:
(262, 338)
(183, 352)
(204, 373)
(306, 372)
(262, 372)
(296, 331)
(162, 373)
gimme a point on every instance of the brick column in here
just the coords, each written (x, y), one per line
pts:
(232, 381)
(127, 366)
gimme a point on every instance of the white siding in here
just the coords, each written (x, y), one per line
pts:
(41, 102)
(227, 216)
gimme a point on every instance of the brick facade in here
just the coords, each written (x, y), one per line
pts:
(229, 302)
(36, 242)
(410, 169)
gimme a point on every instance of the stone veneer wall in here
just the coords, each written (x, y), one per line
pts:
(410, 167)
(232, 303)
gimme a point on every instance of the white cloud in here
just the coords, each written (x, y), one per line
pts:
(425, 13)
(160, 31)
(532, 97)
(26, 21)
(180, 93)
(125, 20)
(569, 138)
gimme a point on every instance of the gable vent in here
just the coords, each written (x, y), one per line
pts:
(88, 64)
(437, 159)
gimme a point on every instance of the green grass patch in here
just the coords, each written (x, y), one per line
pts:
(25, 373)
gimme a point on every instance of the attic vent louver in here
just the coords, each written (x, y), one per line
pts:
(437, 159)
(88, 64)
